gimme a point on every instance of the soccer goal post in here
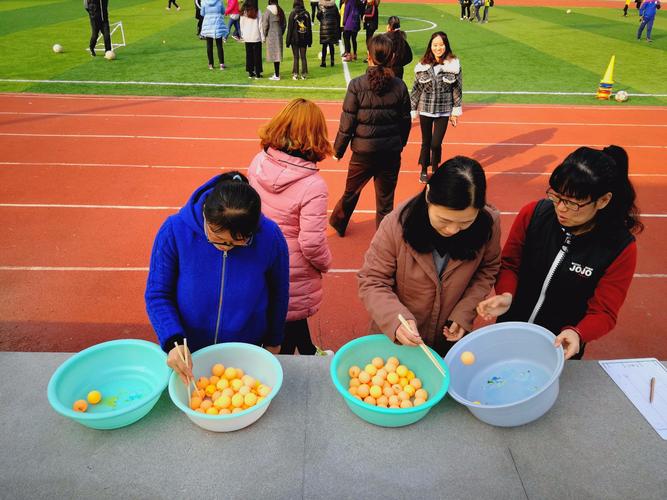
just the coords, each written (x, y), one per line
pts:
(120, 36)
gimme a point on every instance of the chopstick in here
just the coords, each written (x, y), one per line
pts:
(426, 350)
(185, 360)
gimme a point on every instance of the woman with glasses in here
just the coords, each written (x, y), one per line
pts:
(219, 272)
(295, 195)
(569, 259)
(433, 259)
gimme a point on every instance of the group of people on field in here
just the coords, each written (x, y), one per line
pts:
(243, 259)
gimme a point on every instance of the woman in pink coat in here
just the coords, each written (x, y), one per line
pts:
(294, 195)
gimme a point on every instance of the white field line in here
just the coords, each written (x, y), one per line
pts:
(346, 68)
(254, 139)
(264, 102)
(293, 87)
(174, 208)
(330, 120)
(145, 270)
(405, 171)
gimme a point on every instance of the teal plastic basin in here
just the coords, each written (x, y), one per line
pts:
(360, 352)
(131, 375)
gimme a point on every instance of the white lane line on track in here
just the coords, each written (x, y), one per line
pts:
(174, 208)
(406, 171)
(145, 270)
(75, 114)
(247, 139)
(264, 102)
(294, 87)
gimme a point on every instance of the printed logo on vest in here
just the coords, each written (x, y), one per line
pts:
(583, 271)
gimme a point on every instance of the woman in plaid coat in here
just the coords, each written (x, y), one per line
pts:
(436, 96)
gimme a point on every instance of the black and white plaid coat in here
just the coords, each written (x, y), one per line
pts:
(438, 93)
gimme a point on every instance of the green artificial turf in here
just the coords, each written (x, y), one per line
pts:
(528, 49)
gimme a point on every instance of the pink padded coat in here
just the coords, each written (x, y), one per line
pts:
(294, 195)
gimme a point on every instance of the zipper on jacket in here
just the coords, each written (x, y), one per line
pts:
(565, 247)
(222, 287)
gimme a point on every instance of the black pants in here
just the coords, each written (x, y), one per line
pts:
(98, 25)
(313, 10)
(200, 20)
(350, 36)
(433, 132)
(465, 10)
(299, 53)
(297, 336)
(330, 46)
(253, 58)
(625, 10)
(209, 50)
(369, 34)
(383, 168)
(174, 2)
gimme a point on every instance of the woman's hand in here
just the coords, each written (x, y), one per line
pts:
(273, 349)
(453, 332)
(175, 362)
(336, 158)
(570, 341)
(453, 120)
(494, 306)
(406, 337)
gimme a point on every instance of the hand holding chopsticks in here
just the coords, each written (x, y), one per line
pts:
(178, 361)
(421, 344)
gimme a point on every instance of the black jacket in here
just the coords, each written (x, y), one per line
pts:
(329, 18)
(374, 123)
(371, 22)
(299, 36)
(402, 51)
(585, 258)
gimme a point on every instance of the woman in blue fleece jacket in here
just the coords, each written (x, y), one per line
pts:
(219, 272)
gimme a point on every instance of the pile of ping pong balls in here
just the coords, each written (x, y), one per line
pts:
(386, 384)
(228, 390)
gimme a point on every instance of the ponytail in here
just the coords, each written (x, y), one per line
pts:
(380, 51)
(623, 190)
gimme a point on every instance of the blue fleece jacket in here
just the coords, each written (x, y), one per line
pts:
(193, 288)
(648, 9)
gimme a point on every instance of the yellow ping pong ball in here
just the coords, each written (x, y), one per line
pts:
(467, 358)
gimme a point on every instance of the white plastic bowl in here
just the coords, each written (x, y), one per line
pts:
(253, 360)
(514, 379)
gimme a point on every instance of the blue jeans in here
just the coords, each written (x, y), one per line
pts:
(649, 27)
(236, 23)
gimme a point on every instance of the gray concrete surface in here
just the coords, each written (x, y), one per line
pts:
(592, 444)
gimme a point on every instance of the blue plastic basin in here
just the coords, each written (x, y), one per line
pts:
(514, 379)
(131, 374)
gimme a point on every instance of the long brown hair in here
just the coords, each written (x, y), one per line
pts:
(381, 52)
(429, 58)
(299, 128)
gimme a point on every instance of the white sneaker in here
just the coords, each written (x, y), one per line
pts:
(274, 78)
(320, 352)
(295, 77)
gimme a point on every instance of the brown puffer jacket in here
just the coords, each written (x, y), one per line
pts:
(395, 279)
(374, 123)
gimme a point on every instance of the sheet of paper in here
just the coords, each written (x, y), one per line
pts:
(633, 376)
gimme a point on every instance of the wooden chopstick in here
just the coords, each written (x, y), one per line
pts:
(184, 359)
(426, 350)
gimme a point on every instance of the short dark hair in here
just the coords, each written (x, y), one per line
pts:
(458, 184)
(233, 205)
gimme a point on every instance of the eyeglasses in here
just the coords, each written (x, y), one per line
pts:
(247, 241)
(568, 204)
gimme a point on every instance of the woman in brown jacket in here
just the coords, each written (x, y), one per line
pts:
(433, 259)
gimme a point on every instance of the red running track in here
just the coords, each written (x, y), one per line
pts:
(85, 182)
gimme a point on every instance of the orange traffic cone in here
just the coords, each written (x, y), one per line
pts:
(607, 82)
